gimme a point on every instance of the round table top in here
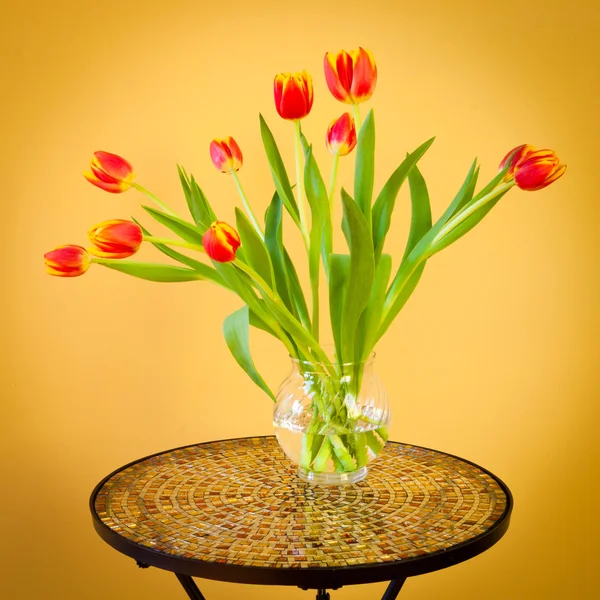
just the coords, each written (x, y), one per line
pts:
(236, 510)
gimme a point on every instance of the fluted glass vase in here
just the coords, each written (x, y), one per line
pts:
(331, 420)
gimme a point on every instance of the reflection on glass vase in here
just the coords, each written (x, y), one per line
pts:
(331, 420)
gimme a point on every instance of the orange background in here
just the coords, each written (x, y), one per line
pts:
(495, 358)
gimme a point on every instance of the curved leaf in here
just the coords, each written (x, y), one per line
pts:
(255, 251)
(236, 329)
(386, 200)
(364, 169)
(362, 271)
(278, 172)
(151, 271)
(186, 231)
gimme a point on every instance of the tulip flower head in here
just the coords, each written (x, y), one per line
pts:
(226, 155)
(538, 169)
(293, 95)
(351, 76)
(341, 135)
(513, 157)
(110, 172)
(115, 239)
(67, 261)
(221, 242)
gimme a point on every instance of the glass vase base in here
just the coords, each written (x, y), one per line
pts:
(332, 478)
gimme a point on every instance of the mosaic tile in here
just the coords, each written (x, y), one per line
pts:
(241, 502)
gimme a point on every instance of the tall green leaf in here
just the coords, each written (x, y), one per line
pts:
(151, 271)
(198, 205)
(420, 222)
(274, 244)
(186, 231)
(255, 251)
(236, 329)
(362, 271)
(278, 172)
(316, 192)
(364, 169)
(386, 200)
(369, 321)
(296, 292)
(339, 275)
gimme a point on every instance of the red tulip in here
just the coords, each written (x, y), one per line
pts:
(513, 157)
(110, 172)
(226, 154)
(351, 76)
(115, 239)
(293, 95)
(221, 242)
(538, 169)
(341, 135)
(67, 261)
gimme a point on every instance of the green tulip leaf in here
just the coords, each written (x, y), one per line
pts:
(362, 271)
(186, 231)
(316, 192)
(274, 244)
(236, 329)
(339, 275)
(199, 207)
(256, 254)
(420, 222)
(386, 200)
(364, 169)
(151, 271)
(296, 292)
(278, 172)
(371, 317)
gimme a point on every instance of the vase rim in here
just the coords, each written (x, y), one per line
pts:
(367, 360)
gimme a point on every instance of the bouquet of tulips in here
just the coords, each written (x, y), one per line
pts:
(250, 259)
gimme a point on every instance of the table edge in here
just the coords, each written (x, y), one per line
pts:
(307, 577)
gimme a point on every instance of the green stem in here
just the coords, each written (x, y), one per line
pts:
(300, 184)
(333, 181)
(154, 198)
(247, 206)
(157, 240)
(468, 211)
(357, 119)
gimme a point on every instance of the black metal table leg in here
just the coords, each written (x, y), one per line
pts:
(322, 595)
(190, 587)
(393, 589)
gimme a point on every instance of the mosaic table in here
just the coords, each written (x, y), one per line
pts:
(235, 510)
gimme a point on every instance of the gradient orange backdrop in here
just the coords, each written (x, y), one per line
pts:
(495, 358)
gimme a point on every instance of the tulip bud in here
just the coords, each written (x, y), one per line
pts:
(115, 239)
(538, 169)
(110, 172)
(513, 157)
(221, 242)
(293, 95)
(341, 135)
(351, 76)
(226, 155)
(67, 261)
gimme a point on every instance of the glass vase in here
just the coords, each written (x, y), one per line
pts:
(332, 420)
